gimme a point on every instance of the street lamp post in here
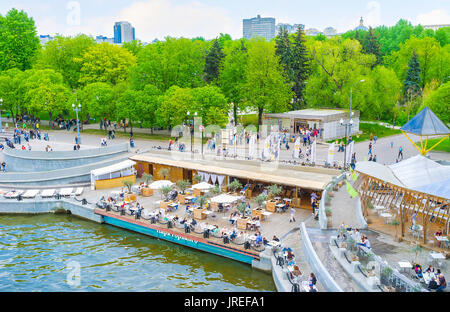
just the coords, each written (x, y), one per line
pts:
(76, 109)
(1, 104)
(348, 124)
(192, 128)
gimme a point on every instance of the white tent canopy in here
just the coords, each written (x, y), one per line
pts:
(122, 169)
(202, 186)
(416, 173)
(419, 170)
(225, 199)
(157, 185)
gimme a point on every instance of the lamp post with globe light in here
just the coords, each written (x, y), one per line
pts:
(76, 109)
(191, 127)
(349, 124)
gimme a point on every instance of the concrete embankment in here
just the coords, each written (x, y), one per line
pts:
(36, 206)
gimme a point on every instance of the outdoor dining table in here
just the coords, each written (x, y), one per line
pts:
(188, 198)
(427, 277)
(404, 265)
(289, 200)
(386, 217)
(441, 239)
(274, 243)
(306, 287)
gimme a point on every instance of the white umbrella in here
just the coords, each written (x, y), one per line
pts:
(157, 185)
(225, 199)
(202, 186)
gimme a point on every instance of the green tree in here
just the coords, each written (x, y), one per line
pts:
(301, 67)
(105, 63)
(211, 105)
(232, 79)
(168, 63)
(12, 90)
(439, 101)
(213, 61)
(134, 47)
(18, 40)
(97, 100)
(61, 53)
(371, 45)
(412, 83)
(46, 92)
(174, 105)
(267, 89)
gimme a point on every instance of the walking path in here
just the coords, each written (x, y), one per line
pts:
(343, 209)
(320, 240)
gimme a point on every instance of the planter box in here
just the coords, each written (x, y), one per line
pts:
(181, 199)
(146, 192)
(215, 207)
(248, 193)
(242, 223)
(130, 196)
(256, 212)
(198, 214)
(270, 206)
(164, 204)
(198, 193)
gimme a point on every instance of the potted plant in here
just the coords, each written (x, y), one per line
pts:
(233, 186)
(396, 223)
(260, 199)
(197, 179)
(328, 212)
(130, 195)
(215, 190)
(198, 212)
(164, 172)
(242, 221)
(417, 249)
(182, 185)
(386, 274)
(146, 191)
(274, 190)
(164, 196)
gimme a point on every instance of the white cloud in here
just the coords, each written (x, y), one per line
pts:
(439, 16)
(160, 18)
(374, 17)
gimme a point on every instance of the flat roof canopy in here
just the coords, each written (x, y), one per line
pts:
(113, 168)
(311, 178)
(313, 114)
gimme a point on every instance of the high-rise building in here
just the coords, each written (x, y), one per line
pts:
(259, 27)
(123, 32)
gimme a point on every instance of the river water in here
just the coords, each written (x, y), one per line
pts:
(64, 253)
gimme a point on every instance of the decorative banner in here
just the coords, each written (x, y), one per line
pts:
(296, 151)
(266, 151)
(252, 147)
(331, 153)
(313, 151)
(353, 193)
(349, 152)
(278, 149)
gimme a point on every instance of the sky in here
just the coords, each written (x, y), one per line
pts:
(208, 18)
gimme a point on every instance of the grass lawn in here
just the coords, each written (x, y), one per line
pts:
(121, 134)
(375, 129)
(246, 120)
(443, 147)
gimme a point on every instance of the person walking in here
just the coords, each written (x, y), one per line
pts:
(292, 217)
(400, 152)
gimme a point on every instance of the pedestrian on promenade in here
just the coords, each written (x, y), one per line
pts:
(400, 152)
(374, 158)
(292, 217)
(375, 139)
(392, 144)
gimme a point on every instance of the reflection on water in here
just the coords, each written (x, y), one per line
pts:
(35, 251)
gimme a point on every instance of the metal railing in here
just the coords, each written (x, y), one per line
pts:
(371, 264)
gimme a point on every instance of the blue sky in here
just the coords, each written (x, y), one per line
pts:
(159, 18)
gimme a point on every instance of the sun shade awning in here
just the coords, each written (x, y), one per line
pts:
(113, 168)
